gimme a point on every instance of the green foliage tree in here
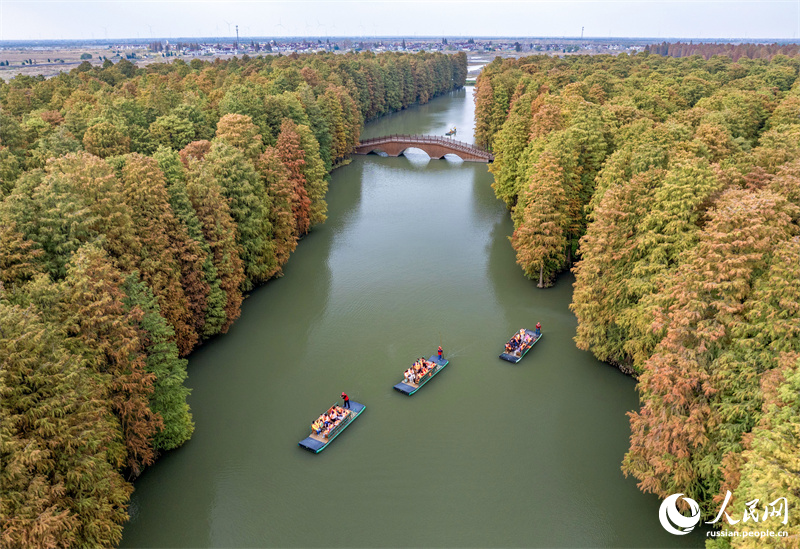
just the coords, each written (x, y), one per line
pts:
(173, 262)
(168, 399)
(280, 190)
(172, 131)
(220, 232)
(540, 240)
(249, 208)
(104, 140)
(239, 131)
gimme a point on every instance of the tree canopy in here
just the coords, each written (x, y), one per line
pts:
(137, 205)
(675, 183)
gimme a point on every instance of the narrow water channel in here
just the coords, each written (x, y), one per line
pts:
(414, 254)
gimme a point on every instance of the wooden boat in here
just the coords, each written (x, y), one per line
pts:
(318, 442)
(410, 388)
(517, 355)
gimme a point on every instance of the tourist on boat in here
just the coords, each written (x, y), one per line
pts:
(346, 400)
(317, 426)
(538, 331)
(408, 376)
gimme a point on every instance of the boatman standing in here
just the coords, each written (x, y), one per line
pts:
(538, 329)
(440, 353)
(346, 400)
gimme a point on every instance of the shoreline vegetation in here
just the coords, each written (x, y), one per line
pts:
(671, 188)
(139, 205)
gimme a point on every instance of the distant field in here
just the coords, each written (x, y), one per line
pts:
(50, 62)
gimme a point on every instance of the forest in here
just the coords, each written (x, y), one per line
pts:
(735, 51)
(139, 206)
(671, 188)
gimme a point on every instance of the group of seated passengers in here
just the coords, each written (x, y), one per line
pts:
(520, 340)
(327, 421)
(417, 371)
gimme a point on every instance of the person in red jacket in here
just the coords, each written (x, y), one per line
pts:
(346, 400)
(440, 353)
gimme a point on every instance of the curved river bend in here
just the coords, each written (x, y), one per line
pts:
(488, 454)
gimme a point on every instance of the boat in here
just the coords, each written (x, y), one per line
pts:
(318, 442)
(409, 388)
(517, 354)
(452, 131)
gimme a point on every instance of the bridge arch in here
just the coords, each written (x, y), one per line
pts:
(435, 147)
(382, 152)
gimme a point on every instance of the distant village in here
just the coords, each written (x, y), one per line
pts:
(377, 45)
(47, 58)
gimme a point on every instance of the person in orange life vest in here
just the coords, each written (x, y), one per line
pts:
(346, 400)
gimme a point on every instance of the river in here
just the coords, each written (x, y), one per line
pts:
(414, 254)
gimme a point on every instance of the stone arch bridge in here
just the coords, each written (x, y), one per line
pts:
(435, 147)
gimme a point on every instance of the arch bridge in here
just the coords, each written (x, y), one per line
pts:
(435, 147)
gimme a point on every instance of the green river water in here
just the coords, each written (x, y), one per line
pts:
(415, 253)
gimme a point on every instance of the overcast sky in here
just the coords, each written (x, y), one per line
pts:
(57, 19)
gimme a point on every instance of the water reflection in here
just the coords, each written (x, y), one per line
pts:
(417, 158)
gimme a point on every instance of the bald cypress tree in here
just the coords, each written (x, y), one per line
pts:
(220, 232)
(19, 257)
(318, 123)
(168, 399)
(248, 204)
(60, 447)
(168, 256)
(238, 130)
(511, 141)
(213, 317)
(196, 150)
(316, 182)
(291, 153)
(279, 188)
(687, 381)
(104, 334)
(541, 238)
(96, 187)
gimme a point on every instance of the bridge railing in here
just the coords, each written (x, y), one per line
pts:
(452, 143)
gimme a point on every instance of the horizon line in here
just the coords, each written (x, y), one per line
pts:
(403, 37)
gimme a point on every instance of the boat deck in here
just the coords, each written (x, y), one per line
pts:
(516, 356)
(317, 443)
(411, 388)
